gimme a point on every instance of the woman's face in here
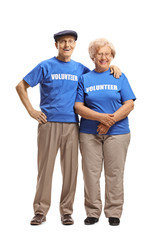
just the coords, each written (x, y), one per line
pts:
(103, 59)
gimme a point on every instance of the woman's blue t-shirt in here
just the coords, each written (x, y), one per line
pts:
(103, 93)
(58, 83)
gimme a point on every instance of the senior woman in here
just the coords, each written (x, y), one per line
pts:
(104, 104)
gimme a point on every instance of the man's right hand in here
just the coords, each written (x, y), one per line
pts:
(39, 116)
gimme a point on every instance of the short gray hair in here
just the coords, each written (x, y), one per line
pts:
(95, 45)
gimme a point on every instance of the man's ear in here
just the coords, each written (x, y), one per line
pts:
(56, 45)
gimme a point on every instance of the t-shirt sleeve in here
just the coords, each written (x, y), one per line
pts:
(126, 91)
(80, 91)
(35, 76)
(86, 70)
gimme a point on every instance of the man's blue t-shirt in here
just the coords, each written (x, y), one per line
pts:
(58, 83)
(103, 93)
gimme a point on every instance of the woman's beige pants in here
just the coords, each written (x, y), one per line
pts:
(51, 137)
(110, 150)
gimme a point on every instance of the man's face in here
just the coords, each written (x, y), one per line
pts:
(65, 46)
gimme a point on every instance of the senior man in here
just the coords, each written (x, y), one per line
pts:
(58, 124)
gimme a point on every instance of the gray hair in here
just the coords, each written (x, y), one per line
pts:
(95, 45)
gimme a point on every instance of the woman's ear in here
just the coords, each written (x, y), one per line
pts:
(93, 59)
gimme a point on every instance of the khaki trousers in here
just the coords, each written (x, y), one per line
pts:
(110, 150)
(51, 137)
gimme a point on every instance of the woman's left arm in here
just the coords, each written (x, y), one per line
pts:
(120, 114)
(124, 110)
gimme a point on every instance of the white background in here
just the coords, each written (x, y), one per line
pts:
(27, 29)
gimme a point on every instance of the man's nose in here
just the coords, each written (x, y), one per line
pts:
(66, 44)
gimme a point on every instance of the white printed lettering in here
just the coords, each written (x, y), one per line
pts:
(101, 87)
(64, 77)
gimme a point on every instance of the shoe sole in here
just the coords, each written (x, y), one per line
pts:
(114, 224)
(36, 223)
(68, 223)
(90, 223)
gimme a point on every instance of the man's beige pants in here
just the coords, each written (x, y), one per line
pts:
(51, 137)
(112, 150)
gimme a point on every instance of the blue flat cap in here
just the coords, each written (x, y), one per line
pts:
(64, 33)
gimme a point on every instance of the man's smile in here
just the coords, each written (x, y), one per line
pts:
(66, 50)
